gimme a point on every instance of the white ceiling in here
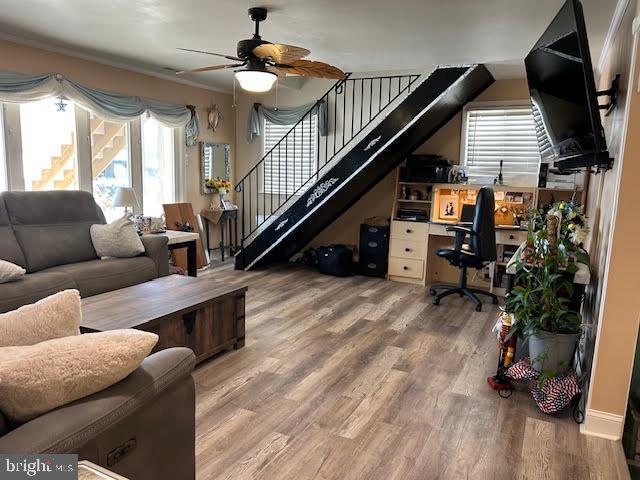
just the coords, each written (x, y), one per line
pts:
(355, 35)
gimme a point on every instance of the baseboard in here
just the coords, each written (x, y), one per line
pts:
(602, 424)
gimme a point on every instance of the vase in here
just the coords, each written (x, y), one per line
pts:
(215, 202)
(552, 351)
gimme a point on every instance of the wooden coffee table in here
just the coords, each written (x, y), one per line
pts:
(200, 313)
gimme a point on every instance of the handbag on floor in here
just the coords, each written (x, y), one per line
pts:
(335, 260)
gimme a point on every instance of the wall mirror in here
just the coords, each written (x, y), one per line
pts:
(214, 162)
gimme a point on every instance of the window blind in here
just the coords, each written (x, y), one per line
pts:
(504, 133)
(288, 167)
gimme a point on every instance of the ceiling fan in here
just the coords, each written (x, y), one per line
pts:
(265, 61)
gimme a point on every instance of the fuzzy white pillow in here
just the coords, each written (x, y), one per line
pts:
(116, 239)
(38, 378)
(10, 272)
(53, 317)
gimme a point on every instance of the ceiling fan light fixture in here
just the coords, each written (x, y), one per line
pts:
(256, 81)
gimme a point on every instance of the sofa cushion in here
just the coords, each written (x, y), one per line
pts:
(38, 378)
(99, 276)
(10, 272)
(118, 239)
(52, 228)
(33, 287)
(9, 248)
(52, 317)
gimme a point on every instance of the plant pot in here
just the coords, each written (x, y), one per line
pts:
(552, 351)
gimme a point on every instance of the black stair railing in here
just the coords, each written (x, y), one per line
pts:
(294, 163)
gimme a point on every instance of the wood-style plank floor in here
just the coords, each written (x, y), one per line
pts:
(360, 378)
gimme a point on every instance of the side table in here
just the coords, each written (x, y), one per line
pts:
(225, 219)
(178, 239)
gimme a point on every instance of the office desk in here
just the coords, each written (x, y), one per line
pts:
(413, 259)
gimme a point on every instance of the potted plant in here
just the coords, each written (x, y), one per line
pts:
(219, 188)
(542, 301)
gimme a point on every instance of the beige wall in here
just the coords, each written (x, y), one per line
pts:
(24, 59)
(615, 231)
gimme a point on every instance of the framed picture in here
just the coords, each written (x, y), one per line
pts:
(228, 205)
(448, 207)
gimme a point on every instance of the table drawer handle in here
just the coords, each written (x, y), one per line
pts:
(405, 268)
(511, 237)
(409, 230)
(407, 249)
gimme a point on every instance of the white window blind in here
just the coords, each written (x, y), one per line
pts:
(292, 162)
(504, 133)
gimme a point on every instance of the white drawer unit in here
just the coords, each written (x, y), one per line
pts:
(510, 237)
(415, 231)
(406, 267)
(401, 248)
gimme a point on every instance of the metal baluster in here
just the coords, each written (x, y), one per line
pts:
(344, 115)
(361, 100)
(353, 105)
(370, 97)
(379, 95)
(271, 183)
(335, 122)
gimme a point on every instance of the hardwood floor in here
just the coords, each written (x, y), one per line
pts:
(360, 378)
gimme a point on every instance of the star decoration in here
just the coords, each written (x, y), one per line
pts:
(61, 106)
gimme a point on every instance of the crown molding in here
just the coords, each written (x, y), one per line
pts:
(614, 26)
(108, 62)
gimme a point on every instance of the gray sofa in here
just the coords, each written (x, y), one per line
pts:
(47, 233)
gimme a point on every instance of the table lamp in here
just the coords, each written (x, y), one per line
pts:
(126, 197)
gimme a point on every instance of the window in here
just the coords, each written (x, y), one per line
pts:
(109, 162)
(49, 150)
(493, 133)
(292, 163)
(158, 166)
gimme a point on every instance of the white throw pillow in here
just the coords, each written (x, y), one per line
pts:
(53, 317)
(38, 378)
(10, 271)
(116, 239)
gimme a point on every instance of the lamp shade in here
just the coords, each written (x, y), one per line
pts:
(125, 197)
(256, 81)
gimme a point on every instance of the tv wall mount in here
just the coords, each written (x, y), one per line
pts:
(612, 93)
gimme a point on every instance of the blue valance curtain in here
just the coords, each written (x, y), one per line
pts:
(286, 116)
(19, 88)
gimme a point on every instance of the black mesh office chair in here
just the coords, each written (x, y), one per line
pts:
(480, 250)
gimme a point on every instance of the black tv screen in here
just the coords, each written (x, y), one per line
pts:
(563, 94)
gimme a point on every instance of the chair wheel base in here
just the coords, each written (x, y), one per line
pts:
(478, 308)
(436, 301)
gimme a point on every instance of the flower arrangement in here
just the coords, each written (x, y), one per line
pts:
(218, 185)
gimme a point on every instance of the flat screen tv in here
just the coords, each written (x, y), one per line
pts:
(563, 94)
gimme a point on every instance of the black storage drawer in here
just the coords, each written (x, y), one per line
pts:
(374, 239)
(372, 265)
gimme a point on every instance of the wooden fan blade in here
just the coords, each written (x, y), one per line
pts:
(228, 57)
(208, 69)
(279, 52)
(309, 68)
(280, 73)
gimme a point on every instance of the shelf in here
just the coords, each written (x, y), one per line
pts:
(413, 201)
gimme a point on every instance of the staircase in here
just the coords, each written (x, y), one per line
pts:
(374, 123)
(108, 139)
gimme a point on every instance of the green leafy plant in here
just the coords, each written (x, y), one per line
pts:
(542, 297)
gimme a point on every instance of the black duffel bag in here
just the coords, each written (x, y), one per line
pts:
(335, 260)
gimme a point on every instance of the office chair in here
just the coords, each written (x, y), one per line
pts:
(480, 250)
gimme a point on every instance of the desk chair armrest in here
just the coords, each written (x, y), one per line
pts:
(461, 233)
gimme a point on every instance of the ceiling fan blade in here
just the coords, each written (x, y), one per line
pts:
(279, 52)
(309, 68)
(208, 69)
(280, 73)
(228, 57)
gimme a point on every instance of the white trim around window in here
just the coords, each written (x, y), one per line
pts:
(517, 137)
(12, 132)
